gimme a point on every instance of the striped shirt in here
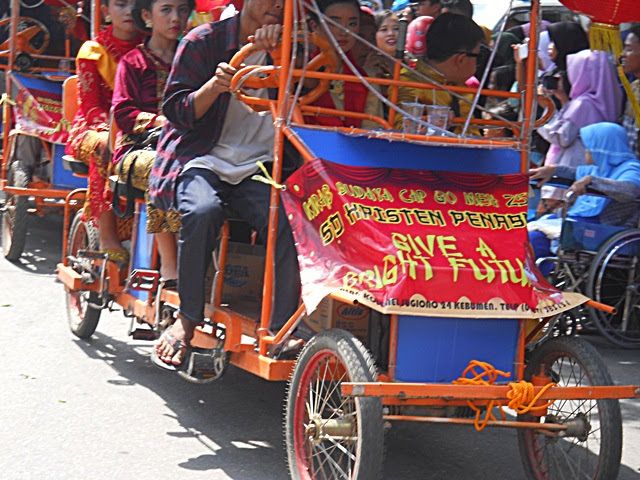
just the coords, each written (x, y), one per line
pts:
(184, 137)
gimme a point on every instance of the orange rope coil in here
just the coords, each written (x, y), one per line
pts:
(521, 394)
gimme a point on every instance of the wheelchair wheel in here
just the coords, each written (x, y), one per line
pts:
(614, 279)
(594, 450)
(16, 214)
(83, 318)
(328, 435)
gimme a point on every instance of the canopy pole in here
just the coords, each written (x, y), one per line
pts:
(530, 86)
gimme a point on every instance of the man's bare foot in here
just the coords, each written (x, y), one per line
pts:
(172, 345)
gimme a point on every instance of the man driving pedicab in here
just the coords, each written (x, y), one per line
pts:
(206, 155)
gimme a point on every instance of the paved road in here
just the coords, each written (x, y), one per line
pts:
(98, 409)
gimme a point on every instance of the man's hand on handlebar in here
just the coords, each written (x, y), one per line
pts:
(542, 174)
(267, 37)
(222, 77)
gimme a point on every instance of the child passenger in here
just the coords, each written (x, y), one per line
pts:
(137, 100)
(96, 67)
(349, 96)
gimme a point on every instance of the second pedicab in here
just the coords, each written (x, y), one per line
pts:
(33, 175)
(415, 274)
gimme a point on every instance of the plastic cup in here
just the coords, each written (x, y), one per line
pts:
(438, 116)
(415, 109)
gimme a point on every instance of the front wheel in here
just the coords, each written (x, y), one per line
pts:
(595, 450)
(83, 318)
(328, 435)
(16, 214)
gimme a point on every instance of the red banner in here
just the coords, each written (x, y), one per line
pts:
(38, 108)
(420, 242)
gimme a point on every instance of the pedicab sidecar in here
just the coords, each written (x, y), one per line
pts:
(34, 127)
(435, 312)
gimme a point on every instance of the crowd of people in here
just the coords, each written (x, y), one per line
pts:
(147, 71)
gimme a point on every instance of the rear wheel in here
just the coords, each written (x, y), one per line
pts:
(328, 435)
(83, 318)
(614, 279)
(16, 214)
(595, 450)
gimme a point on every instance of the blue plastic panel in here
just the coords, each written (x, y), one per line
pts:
(39, 83)
(372, 152)
(434, 349)
(62, 177)
(142, 249)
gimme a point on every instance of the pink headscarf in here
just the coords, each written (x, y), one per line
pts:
(595, 93)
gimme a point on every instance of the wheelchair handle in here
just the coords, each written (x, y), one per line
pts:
(562, 182)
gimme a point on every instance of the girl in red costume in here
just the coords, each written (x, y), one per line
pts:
(137, 100)
(349, 96)
(96, 67)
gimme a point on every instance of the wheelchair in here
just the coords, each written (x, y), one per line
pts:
(602, 262)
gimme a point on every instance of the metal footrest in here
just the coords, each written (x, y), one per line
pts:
(205, 366)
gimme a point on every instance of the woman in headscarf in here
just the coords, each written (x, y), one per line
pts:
(611, 168)
(594, 97)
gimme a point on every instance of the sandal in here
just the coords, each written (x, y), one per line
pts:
(177, 345)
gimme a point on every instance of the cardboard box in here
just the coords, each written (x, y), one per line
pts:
(334, 314)
(243, 276)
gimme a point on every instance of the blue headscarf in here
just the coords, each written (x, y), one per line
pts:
(612, 159)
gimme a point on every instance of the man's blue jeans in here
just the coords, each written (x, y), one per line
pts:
(202, 200)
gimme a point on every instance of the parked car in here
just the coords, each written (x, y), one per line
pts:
(490, 13)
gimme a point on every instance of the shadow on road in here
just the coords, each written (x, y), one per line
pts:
(245, 438)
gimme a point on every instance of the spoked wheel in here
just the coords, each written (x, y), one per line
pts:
(16, 214)
(83, 318)
(614, 279)
(329, 436)
(594, 448)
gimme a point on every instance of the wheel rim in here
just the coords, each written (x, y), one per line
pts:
(618, 284)
(574, 457)
(78, 302)
(326, 430)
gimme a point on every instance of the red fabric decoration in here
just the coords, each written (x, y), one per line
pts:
(612, 12)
